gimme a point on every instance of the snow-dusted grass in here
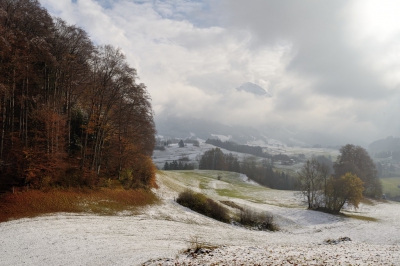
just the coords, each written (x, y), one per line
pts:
(390, 186)
(164, 230)
(101, 201)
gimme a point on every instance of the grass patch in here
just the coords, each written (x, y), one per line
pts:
(229, 193)
(102, 201)
(190, 178)
(231, 204)
(169, 180)
(361, 217)
(367, 201)
(389, 186)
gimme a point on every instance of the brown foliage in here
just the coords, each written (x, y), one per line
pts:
(66, 104)
(102, 201)
(140, 174)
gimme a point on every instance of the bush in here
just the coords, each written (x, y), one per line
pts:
(259, 220)
(141, 174)
(217, 211)
(194, 201)
(203, 205)
(196, 245)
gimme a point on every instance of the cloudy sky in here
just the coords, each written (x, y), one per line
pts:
(330, 66)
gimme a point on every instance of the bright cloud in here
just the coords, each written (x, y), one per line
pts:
(331, 67)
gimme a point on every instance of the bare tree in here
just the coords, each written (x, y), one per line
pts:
(312, 181)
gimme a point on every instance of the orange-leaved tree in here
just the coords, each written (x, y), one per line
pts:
(346, 189)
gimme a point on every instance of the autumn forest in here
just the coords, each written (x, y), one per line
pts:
(71, 112)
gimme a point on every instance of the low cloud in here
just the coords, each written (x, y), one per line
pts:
(326, 71)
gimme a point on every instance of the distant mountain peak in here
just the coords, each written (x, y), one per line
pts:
(253, 89)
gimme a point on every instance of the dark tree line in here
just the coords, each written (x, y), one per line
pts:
(232, 146)
(68, 107)
(178, 165)
(262, 173)
(215, 159)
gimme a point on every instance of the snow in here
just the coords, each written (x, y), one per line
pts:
(164, 230)
(258, 142)
(174, 152)
(246, 179)
(222, 137)
(289, 255)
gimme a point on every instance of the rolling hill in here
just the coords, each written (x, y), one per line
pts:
(156, 235)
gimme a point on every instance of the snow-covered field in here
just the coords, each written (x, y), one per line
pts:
(173, 152)
(159, 234)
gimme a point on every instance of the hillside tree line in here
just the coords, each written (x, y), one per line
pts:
(178, 165)
(260, 172)
(232, 146)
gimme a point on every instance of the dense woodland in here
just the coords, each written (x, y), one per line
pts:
(71, 113)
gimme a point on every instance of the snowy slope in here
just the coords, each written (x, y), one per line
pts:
(164, 230)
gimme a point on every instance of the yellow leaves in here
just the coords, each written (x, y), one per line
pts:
(347, 188)
(354, 188)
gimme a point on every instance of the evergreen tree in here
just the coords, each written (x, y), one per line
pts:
(181, 144)
(166, 166)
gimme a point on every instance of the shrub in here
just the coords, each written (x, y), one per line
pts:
(141, 174)
(196, 245)
(259, 220)
(194, 201)
(217, 211)
(201, 204)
